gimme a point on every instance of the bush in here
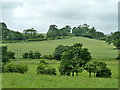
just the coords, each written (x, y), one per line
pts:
(14, 68)
(48, 57)
(44, 69)
(43, 61)
(11, 55)
(25, 55)
(104, 72)
(37, 55)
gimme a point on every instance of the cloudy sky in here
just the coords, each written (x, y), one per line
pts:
(102, 14)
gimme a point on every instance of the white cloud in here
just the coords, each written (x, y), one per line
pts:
(39, 15)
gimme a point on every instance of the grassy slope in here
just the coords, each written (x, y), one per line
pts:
(96, 47)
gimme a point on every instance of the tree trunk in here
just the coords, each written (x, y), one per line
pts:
(94, 74)
(89, 74)
(72, 73)
(118, 53)
(76, 73)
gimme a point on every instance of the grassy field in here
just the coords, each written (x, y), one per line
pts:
(99, 50)
(32, 80)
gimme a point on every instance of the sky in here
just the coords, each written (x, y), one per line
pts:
(40, 14)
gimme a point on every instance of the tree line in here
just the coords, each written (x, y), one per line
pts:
(53, 32)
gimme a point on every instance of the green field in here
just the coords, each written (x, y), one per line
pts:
(99, 49)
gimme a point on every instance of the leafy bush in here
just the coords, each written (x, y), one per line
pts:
(48, 57)
(11, 55)
(104, 72)
(37, 55)
(44, 69)
(14, 68)
(25, 55)
(43, 61)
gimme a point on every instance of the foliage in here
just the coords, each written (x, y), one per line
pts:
(32, 55)
(98, 68)
(25, 55)
(58, 51)
(49, 56)
(37, 55)
(74, 59)
(44, 69)
(5, 58)
(43, 61)
(15, 68)
(11, 55)
(114, 39)
(84, 30)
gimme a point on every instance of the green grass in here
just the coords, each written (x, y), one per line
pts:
(97, 48)
(32, 80)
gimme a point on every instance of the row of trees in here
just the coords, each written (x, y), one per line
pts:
(84, 30)
(32, 55)
(81, 30)
(8, 34)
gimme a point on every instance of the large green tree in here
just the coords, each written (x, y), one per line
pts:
(74, 59)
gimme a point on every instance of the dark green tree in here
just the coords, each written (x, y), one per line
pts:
(37, 55)
(25, 55)
(11, 55)
(58, 51)
(74, 59)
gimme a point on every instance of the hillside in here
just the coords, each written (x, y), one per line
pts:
(97, 48)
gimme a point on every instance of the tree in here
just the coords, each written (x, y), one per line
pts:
(4, 54)
(30, 33)
(37, 55)
(74, 59)
(114, 39)
(58, 51)
(53, 31)
(25, 55)
(31, 55)
(65, 31)
(11, 55)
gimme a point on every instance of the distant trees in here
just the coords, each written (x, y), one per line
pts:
(84, 30)
(9, 34)
(114, 39)
(54, 31)
(74, 59)
(30, 33)
(32, 55)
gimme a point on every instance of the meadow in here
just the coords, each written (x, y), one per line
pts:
(99, 50)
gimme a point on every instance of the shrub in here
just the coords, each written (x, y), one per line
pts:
(37, 55)
(14, 68)
(104, 72)
(11, 55)
(43, 61)
(25, 55)
(48, 57)
(44, 69)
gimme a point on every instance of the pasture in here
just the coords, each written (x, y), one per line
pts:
(99, 50)
(32, 80)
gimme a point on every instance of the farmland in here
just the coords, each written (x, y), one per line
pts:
(99, 50)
